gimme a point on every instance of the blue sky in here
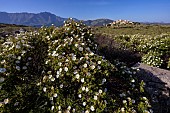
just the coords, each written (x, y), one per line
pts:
(134, 10)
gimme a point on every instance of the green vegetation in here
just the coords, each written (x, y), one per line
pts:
(134, 29)
(150, 42)
(59, 70)
(13, 27)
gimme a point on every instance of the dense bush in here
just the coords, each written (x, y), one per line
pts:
(114, 49)
(57, 70)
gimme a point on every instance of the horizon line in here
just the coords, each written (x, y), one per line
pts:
(86, 19)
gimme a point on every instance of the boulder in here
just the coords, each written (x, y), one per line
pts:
(157, 85)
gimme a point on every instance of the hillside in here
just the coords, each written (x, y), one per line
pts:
(31, 19)
(43, 18)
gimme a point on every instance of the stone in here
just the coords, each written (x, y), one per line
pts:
(157, 86)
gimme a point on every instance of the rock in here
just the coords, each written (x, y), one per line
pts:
(157, 85)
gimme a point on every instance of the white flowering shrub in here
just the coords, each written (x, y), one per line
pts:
(154, 50)
(152, 58)
(57, 70)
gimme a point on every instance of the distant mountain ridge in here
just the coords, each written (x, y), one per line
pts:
(43, 18)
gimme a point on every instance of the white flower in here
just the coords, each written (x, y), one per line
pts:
(19, 57)
(75, 72)
(49, 72)
(82, 80)
(59, 107)
(100, 91)
(84, 103)
(88, 49)
(80, 49)
(95, 97)
(133, 101)
(18, 68)
(59, 63)
(124, 101)
(129, 99)
(105, 89)
(99, 67)
(91, 54)
(122, 109)
(76, 45)
(59, 111)
(23, 52)
(16, 103)
(122, 95)
(24, 67)
(61, 85)
(52, 79)
(81, 58)
(92, 108)
(2, 79)
(79, 95)
(3, 61)
(133, 80)
(68, 29)
(65, 69)
(69, 107)
(92, 67)
(99, 62)
(133, 85)
(151, 111)
(44, 89)
(88, 74)
(38, 84)
(82, 44)
(144, 98)
(50, 76)
(0, 86)
(60, 70)
(105, 101)
(85, 65)
(67, 60)
(49, 54)
(57, 76)
(77, 76)
(87, 89)
(74, 110)
(146, 111)
(74, 58)
(46, 62)
(17, 62)
(18, 47)
(52, 87)
(6, 101)
(83, 88)
(52, 108)
(104, 80)
(51, 98)
(87, 111)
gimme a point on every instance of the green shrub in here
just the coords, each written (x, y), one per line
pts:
(57, 70)
(152, 58)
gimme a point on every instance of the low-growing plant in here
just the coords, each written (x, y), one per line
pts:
(58, 70)
(153, 58)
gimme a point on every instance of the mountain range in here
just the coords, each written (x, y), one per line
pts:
(43, 18)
